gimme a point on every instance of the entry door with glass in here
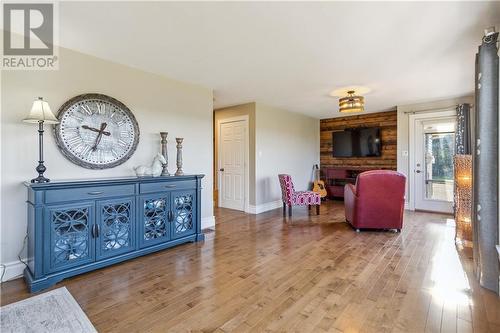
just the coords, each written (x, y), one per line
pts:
(434, 151)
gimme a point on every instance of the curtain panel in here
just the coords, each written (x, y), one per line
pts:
(463, 131)
(485, 221)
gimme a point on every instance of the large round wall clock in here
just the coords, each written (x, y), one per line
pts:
(96, 131)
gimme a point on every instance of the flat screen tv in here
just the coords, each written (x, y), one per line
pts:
(357, 142)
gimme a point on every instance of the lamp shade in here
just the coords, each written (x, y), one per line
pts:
(40, 111)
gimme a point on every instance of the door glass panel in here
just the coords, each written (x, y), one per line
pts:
(183, 213)
(155, 218)
(70, 229)
(116, 225)
(439, 151)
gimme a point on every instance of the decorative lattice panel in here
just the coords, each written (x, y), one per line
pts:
(183, 213)
(155, 218)
(463, 198)
(116, 226)
(70, 229)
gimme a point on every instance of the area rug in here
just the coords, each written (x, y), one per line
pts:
(55, 311)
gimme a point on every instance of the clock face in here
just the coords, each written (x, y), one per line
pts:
(96, 131)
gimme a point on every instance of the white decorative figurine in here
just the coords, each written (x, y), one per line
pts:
(154, 170)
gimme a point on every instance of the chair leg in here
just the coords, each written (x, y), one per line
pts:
(317, 209)
(309, 207)
(284, 209)
(290, 210)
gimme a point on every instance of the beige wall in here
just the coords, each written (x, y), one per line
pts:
(159, 104)
(280, 142)
(286, 142)
(247, 109)
(403, 136)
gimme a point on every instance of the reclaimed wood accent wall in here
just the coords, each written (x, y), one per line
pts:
(387, 121)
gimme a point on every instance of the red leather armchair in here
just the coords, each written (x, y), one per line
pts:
(376, 201)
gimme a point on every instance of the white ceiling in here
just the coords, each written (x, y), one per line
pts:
(291, 55)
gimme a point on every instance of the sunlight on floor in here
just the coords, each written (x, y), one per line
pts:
(450, 283)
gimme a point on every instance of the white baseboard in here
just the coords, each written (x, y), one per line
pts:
(13, 270)
(208, 222)
(257, 209)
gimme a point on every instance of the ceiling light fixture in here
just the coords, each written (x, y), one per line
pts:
(352, 103)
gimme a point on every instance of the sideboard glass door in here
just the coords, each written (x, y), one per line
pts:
(69, 229)
(115, 233)
(154, 215)
(184, 213)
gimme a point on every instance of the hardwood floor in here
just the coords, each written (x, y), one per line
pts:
(304, 274)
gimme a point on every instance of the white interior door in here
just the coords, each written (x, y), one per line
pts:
(232, 152)
(434, 151)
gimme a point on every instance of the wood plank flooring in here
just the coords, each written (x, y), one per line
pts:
(265, 273)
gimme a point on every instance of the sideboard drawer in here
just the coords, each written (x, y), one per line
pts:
(85, 193)
(165, 186)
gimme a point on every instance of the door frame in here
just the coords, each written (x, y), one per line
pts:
(245, 119)
(413, 120)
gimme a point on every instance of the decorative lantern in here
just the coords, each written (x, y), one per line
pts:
(463, 199)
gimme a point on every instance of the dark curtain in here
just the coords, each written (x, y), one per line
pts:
(463, 133)
(485, 221)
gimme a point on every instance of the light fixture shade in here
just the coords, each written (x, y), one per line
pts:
(352, 103)
(40, 111)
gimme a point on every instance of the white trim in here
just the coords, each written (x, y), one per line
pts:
(412, 121)
(208, 222)
(245, 119)
(264, 207)
(13, 270)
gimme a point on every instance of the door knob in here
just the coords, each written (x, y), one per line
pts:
(418, 171)
(221, 169)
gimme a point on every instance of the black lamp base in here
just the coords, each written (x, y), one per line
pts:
(40, 179)
(40, 169)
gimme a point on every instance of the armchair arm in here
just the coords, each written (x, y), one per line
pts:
(351, 188)
(349, 201)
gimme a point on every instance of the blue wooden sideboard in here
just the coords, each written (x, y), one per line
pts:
(79, 226)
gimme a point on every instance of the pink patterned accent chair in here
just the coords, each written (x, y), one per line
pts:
(291, 197)
(376, 201)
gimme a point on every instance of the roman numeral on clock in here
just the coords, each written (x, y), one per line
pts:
(120, 122)
(87, 109)
(70, 130)
(122, 144)
(125, 134)
(86, 151)
(73, 140)
(101, 108)
(76, 116)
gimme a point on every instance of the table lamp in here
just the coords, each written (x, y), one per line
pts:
(40, 113)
